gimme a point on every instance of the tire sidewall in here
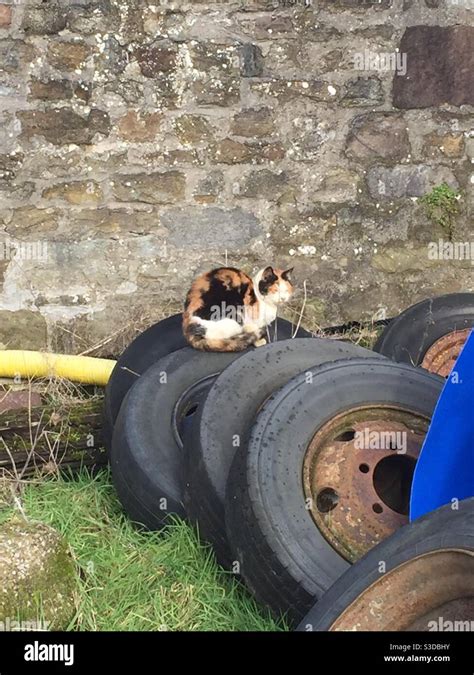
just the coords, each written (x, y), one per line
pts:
(145, 454)
(409, 336)
(277, 445)
(440, 530)
(223, 424)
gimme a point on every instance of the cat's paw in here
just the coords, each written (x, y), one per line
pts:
(260, 343)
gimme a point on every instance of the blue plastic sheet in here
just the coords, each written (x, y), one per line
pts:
(445, 468)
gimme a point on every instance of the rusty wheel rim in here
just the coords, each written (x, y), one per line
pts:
(357, 474)
(441, 356)
(435, 587)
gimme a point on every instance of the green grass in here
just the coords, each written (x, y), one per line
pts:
(135, 580)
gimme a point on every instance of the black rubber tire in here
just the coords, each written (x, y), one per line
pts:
(154, 343)
(284, 559)
(147, 456)
(157, 341)
(441, 529)
(408, 337)
(227, 415)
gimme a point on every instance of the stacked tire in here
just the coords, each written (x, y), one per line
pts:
(293, 460)
(429, 564)
(155, 389)
(430, 334)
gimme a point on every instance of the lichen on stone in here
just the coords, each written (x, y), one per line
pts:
(37, 575)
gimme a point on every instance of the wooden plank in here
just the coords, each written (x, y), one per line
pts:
(46, 438)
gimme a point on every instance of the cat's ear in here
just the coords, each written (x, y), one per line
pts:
(286, 275)
(268, 273)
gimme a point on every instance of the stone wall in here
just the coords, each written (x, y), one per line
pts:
(142, 142)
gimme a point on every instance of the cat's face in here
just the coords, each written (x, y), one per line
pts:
(275, 285)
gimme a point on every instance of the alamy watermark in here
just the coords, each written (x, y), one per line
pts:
(17, 625)
(451, 250)
(37, 651)
(369, 439)
(271, 3)
(443, 625)
(381, 61)
(24, 250)
(469, 4)
(291, 3)
(225, 311)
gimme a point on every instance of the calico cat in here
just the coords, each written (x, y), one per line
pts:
(227, 311)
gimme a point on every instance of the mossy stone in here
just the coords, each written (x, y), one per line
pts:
(37, 574)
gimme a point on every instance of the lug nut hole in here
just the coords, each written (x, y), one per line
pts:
(327, 500)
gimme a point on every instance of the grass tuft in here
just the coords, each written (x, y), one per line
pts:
(132, 580)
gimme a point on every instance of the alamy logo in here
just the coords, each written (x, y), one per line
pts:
(37, 651)
(462, 3)
(451, 250)
(291, 3)
(367, 439)
(224, 311)
(14, 625)
(24, 250)
(381, 61)
(443, 625)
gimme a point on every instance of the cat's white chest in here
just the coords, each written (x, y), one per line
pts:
(267, 314)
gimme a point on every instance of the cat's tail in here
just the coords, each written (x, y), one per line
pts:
(195, 334)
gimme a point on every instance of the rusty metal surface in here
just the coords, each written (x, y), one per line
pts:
(358, 493)
(441, 356)
(413, 594)
(454, 611)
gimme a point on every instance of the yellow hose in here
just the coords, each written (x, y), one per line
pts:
(84, 369)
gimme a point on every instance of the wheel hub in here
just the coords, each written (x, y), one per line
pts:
(357, 475)
(187, 406)
(436, 588)
(441, 356)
